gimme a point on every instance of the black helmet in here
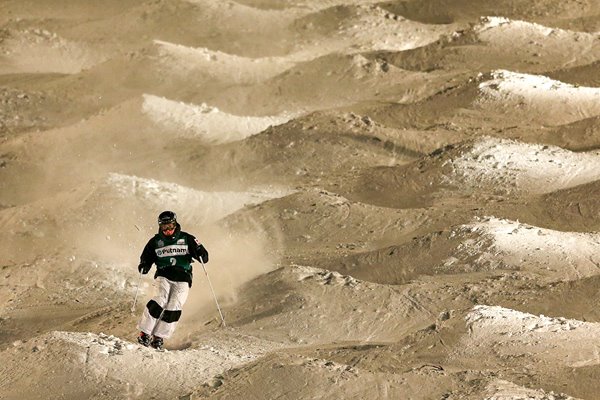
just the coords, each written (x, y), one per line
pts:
(167, 217)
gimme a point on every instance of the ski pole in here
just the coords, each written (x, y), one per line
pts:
(137, 289)
(213, 292)
(139, 280)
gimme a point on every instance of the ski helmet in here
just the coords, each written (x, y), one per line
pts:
(167, 217)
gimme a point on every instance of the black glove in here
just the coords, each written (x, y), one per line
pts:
(202, 253)
(144, 268)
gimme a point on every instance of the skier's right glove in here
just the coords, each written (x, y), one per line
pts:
(144, 268)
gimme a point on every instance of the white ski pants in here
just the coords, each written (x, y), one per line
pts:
(164, 310)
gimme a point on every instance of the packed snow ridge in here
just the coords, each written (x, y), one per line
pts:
(567, 342)
(495, 28)
(510, 244)
(550, 101)
(490, 22)
(228, 67)
(500, 320)
(504, 390)
(509, 166)
(205, 122)
(41, 51)
(376, 29)
(204, 206)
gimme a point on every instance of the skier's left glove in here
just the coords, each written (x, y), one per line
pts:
(202, 253)
(144, 268)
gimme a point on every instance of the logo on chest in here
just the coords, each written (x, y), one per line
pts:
(172, 250)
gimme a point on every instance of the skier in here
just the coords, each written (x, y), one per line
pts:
(172, 251)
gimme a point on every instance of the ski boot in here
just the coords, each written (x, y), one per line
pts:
(144, 339)
(157, 343)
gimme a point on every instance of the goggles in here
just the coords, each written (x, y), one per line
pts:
(167, 228)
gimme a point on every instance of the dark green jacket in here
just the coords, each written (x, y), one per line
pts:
(173, 255)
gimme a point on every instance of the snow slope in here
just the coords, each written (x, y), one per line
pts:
(204, 122)
(102, 366)
(544, 100)
(556, 340)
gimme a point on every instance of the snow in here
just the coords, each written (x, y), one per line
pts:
(298, 305)
(205, 122)
(510, 165)
(491, 22)
(504, 390)
(324, 277)
(97, 360)
(393, 32)
(204, 206)
(507, 321)
(530, 34)
(540, 96)
(230, 68)
(506, 244)
(566, 47)
(513, 332)
(37, 50)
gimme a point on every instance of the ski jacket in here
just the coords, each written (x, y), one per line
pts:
(173, 255)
